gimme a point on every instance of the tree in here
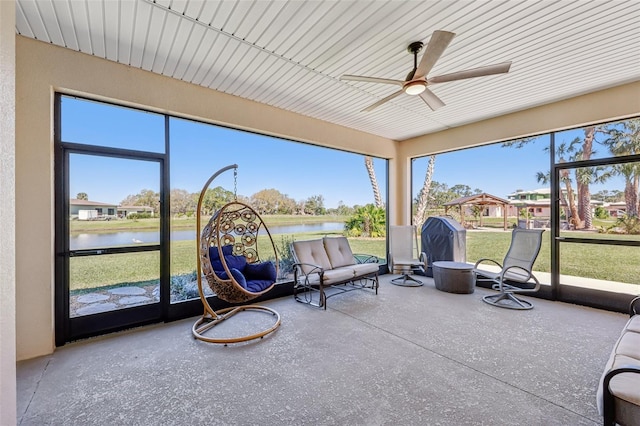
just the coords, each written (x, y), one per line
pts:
(271, 201)
(314, 205)
(566, 152)
(609, 196)
(146, 197)
(287, 206)
(367, 221)
(343, 209)
(461, 190)
(213, 199)
(377, 198)
(181, 202)
(584, 176)
(423, 196)
(440, 193)
(567, 196)
(624, 139)
(82, 196)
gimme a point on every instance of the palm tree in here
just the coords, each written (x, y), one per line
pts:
(630, 172)
(567, 196)
(367, 221)
(584, 176)
(423, 197)
(377, 198)
(624, 139)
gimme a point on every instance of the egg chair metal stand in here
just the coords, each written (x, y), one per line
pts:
(231, 233)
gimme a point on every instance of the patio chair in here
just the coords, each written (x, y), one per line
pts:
(403, 255)
(229, 260)
(514, 275)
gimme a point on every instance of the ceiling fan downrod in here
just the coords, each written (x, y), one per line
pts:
(417, 87)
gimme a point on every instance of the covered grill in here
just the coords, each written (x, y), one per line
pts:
(443, 238)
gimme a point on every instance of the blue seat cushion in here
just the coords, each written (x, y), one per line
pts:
(253, 277)
(256, 286)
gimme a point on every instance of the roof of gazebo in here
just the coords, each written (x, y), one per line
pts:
(480, 199)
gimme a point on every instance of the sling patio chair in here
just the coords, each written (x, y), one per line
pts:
(514, 275)
(403, 255)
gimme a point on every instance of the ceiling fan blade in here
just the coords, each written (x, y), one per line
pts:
(437, 44)
(371, 79)
(383, 100)
(431, 99)
(475, 72)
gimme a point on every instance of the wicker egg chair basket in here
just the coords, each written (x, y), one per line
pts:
(236, 224)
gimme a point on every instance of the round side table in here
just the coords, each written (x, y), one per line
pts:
(454, 277)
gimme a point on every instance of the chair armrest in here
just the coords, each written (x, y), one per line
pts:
(607, 396)
(525, 272)
(634, 307)
(314, 268)
(366, 258)
(424, 258)
(488, 261)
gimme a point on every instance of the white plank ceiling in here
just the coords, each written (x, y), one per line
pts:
(291, 53)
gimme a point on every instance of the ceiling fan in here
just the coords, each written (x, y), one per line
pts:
(416, 82)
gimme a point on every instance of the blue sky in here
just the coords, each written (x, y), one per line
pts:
(494, 169)
(198, 150)
(295, 169)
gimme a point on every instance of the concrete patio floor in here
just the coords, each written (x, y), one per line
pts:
(408, 356)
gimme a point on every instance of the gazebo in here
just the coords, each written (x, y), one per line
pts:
(482, 200)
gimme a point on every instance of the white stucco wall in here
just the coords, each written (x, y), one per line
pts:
(7, 215)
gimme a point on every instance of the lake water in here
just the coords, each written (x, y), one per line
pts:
(88, 241)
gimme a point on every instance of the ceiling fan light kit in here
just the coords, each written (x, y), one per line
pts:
(416, 81)
(414, 87)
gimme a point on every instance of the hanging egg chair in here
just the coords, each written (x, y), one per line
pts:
(229, 260)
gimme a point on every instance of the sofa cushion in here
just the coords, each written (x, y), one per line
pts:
(339, 275)
(626, 352)
(365, 268)
(634, 324)
(629, 345)
(338, 251)
(312, 252)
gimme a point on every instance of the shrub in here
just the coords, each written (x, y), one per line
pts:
(629, 224)
(602, 213)
(367, 221)
(185, 287)
(285, 259)
(135, 216)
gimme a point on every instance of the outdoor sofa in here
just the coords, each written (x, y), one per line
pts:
(619, 390)
(326, 263)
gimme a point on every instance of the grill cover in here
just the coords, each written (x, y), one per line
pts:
(443, 238)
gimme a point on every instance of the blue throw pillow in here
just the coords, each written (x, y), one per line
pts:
(237, 276)
(237, 262)
(260, 271)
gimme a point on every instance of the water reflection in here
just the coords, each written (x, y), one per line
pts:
(112, 239)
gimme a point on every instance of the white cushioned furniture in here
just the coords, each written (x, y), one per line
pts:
(619, 390)
(329, 262)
